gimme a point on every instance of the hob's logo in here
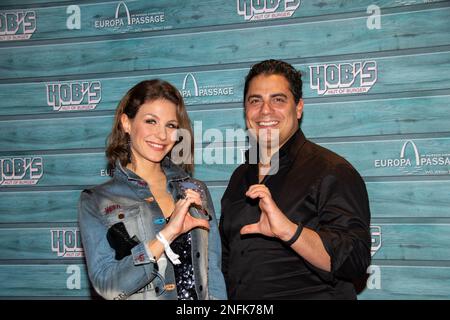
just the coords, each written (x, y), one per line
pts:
(66, 96)
(21, 171)
(17, 24)
(190, 88)
(343, 78)
(66, 243)
(253, 10)
(375, 232)
(124, 18)
(411, 161)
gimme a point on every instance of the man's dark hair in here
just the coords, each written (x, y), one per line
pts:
(269, 67)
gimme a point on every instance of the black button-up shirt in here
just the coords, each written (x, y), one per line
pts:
(313, 186)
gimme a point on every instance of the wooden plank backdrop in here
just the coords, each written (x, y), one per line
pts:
(59, 89)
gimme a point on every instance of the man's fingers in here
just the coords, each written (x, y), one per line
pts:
(257, 194)
(250, 228)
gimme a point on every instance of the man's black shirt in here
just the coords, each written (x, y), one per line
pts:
(313, 186)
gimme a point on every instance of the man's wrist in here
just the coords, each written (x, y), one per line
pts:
(295, 236)
(288, 232)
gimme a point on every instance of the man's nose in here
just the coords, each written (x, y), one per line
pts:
(266, 107)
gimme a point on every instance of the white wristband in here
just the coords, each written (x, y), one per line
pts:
(170, 254)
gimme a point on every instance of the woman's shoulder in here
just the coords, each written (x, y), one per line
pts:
(100, 190)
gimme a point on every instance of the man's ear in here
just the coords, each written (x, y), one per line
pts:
(126, 123)
(299, 109)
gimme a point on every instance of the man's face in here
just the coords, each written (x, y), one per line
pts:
(270, 107)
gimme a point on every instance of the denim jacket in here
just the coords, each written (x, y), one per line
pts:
(127, 198)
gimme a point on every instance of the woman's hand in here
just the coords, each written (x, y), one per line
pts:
(181, 221)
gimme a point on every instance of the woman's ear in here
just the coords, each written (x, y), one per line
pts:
(126, 123)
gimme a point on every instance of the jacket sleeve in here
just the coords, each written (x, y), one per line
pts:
(111, 278)
(215, 277)
(344, 222)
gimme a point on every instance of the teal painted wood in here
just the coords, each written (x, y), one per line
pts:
(51, 134)
(370, 158)
(409, 283)
(393, 199)
(96, 19)
(60, 243)
(377, 117)
(39, 206)
(228, 84)
(426, 28)
(6, 3)
(397, 282)
(23, 281)
(424, 242)
(431, 71)
(383, 158)
(409, 199)
(388, 199)
(320, 120)
(65, 170)
(413, 242)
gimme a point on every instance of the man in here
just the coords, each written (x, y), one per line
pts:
(300, 228)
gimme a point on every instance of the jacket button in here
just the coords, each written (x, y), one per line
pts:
(197, 254)
(242, 252)
(156, 290)
(201, 288)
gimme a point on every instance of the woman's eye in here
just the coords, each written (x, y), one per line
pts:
(172, 126)
(150, 121)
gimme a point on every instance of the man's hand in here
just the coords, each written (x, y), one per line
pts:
(273, 222)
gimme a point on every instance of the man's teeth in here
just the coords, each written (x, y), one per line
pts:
(267, 123)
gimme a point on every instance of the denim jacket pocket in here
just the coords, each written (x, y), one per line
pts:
(130, 216)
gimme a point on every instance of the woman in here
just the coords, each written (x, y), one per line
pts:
(150, 232)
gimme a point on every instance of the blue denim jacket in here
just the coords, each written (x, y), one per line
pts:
(127, 198)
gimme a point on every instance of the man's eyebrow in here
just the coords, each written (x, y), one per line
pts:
(278, 95)
(254, 96)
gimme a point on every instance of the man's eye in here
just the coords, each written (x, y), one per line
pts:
(279, 100)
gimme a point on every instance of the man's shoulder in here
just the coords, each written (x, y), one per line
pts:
(327, 159)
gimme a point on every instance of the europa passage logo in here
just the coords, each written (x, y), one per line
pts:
(191, 88)
(343, 78)
(68, 96)
(21, 171)
(411, 161)
(124, 18)
(17, 24)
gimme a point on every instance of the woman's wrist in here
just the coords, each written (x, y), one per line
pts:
(168, 234)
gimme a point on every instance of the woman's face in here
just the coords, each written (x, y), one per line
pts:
(153, 131)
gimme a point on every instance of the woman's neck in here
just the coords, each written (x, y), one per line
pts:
(148, 171)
